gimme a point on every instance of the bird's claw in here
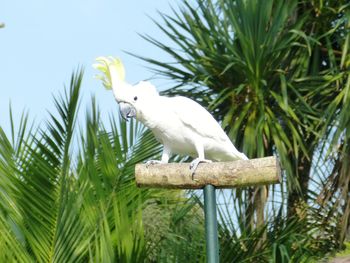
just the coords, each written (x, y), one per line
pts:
(194, 164)
(152, 162)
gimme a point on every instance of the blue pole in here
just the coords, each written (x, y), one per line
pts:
(211, 224)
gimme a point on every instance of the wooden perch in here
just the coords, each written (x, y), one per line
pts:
(233, 174)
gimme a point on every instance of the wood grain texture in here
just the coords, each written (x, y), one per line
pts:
(261, 171)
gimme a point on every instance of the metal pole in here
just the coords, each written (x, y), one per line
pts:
(211, 224)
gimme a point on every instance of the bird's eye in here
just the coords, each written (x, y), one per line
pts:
(135, 98)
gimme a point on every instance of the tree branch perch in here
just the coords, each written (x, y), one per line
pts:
(233, 174)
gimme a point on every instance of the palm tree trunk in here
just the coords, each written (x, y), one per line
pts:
(297, 198)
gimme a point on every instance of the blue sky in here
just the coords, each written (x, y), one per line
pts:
(44, 41)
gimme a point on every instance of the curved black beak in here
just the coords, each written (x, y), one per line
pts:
(127, 110)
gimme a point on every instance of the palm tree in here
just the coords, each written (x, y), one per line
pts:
(68, 195)
(275, 73)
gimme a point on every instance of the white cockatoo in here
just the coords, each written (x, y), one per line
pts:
(182, 125)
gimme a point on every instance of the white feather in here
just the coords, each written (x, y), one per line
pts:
(184, 127)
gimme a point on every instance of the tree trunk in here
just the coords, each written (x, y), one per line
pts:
(297, 198)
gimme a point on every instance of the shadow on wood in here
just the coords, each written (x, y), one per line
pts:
(261, 171)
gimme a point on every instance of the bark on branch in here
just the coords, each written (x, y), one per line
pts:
(261, 171)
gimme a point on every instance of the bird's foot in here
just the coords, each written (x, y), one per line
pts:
(152, 162)
(194, 164)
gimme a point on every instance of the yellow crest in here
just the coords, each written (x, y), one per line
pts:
(108, 66)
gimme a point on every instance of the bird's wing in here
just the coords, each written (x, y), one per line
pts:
(197, 118)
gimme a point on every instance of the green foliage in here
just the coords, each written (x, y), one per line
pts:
(276, 75)
(245, 56)
(69, 196)
(346, 251)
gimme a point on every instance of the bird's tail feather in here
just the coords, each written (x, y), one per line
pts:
(243, 156)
